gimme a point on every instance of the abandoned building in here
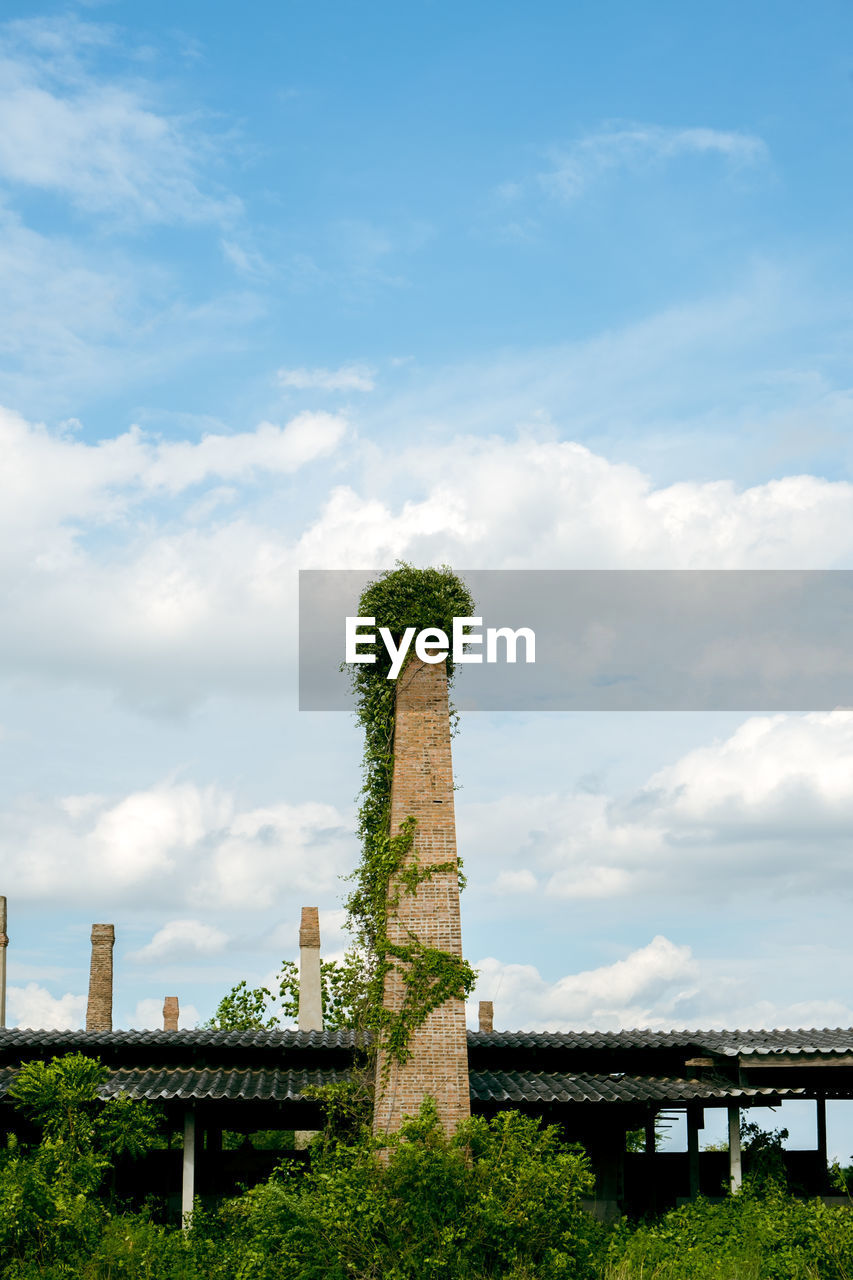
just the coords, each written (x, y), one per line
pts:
(602, 1089)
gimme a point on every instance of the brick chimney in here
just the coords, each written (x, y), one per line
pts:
(171, 1011)
(487, 1015)
(99, 1013)
(310, 988)
(422, 787)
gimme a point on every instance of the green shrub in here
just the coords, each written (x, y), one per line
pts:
(761, 1233)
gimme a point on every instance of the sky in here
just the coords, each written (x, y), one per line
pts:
(504, 286)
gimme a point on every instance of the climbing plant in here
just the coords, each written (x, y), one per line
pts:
(400, 598)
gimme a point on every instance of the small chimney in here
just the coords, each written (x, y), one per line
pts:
(310, 987)
(99, 1013)
(4, 942)
(487, 1015)
(171, 1010)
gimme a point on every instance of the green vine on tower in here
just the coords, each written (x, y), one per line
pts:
(403, 597)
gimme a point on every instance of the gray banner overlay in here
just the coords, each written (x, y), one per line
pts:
(614, 640)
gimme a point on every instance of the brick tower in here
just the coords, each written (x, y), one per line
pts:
(422, 788)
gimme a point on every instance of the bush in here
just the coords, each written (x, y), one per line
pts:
(761, 1233)
(500, 1198)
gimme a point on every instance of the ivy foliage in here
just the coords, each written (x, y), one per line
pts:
(398, 599)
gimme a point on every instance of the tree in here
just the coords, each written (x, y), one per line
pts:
(344, 989)
(52, 1192)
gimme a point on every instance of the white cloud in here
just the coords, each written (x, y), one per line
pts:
(661, 986)
(181, 939)
(349, 377)
(175, 845)
(104, 145)
(640, 990)
(167, 604)
(34, 1006)
(769, 809)
(633, 146)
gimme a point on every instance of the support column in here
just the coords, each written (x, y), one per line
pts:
(820, 1105)
(422, 788)
(4, 942)
(650, 1147)
(188, 1184)
(694, 1124)
(310, 1013)
(735, 1164)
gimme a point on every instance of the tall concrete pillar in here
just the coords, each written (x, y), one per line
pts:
(310, 1016)
(310, 1013)
(735, 1165)
(99, 1012)
(188, 1179)
(171, 1013)
(695, 1122)
(422, 788)
(4, 942)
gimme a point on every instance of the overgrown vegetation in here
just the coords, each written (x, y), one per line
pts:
(500, 1200)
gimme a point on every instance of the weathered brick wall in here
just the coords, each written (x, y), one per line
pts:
(423, 788)
(99, 1012)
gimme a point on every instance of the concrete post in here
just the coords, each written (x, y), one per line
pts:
(422, 788)
(694, 1124)
(650, 1146)
(171, 1013)
(310, 985)
(99, 1012)
(4, 942)
(735, 1163)
(188, 1184)
(487, 1015)
(820, 1105)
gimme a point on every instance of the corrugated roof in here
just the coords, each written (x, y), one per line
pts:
(69, 1041)
(174, 1083)
(827, 1041)
(811, 1040)
(171, 1084)
(550, 1087)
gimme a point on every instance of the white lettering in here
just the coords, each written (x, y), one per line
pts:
(428, 645)
(511, 637)
(460, 639)
(397, 655)
(354, 638)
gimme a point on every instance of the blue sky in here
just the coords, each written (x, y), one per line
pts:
(539, 286)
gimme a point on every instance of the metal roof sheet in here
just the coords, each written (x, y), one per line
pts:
(168, 1084)
(551, 1087)
(159, 1084)
(838, 1040)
